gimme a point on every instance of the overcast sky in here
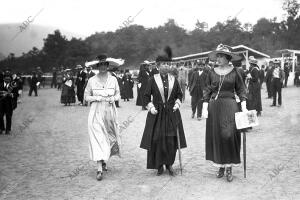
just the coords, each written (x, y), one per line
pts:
(86, 17)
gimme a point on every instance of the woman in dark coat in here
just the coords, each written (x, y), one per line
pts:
(143, 78)
(254, 91)
(67, 92)
(223, 141)
(163, 121)
(127, 83)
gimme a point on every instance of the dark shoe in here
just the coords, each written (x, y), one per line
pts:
(259, 113)
(272, 105)
(7, 132)
(104, 167)
(171, 170)
(199, 118)
(160, 170)
(193, 116)
(279, 105)
(220, 173)
(229, 174)
(99, 176)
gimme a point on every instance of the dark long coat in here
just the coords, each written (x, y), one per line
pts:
(143, 78)
(254, 94)
(8, 103)
(80, 83)
(127, 84)
(165, 123)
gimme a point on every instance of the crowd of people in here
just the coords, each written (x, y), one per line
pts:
(219, 87)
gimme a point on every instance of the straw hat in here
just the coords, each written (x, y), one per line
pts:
(252, 60)
(223, 49)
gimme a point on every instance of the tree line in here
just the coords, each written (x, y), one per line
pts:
(136, 43)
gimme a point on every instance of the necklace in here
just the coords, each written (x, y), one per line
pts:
(220, 85)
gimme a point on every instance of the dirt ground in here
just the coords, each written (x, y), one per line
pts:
(46, 157)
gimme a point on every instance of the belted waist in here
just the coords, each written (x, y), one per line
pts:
(223, 94)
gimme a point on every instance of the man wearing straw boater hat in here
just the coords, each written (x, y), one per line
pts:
(143, 77)
(163, 132)
(196, 90)
(80, 83)
(254, 94)
(277, 82)
(223, 140)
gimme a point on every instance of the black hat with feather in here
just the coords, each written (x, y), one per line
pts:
(166, 57)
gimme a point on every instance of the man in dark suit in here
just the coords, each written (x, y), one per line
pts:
(80, 83)
(190, 73)
(143, 78)
(54, 73)
(89, 73)
(269, 80)
(277, 82)
(8, 95)
(196, 91)
(286, 73)
(33, 84)
(261, 75)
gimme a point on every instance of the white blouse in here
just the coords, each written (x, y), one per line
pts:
(97, 91)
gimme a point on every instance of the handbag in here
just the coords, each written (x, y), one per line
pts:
(246, 119)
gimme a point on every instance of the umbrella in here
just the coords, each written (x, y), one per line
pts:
(244, 152)
(179, 151)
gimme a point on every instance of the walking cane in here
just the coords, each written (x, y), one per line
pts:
(244, 152)
(179, 150)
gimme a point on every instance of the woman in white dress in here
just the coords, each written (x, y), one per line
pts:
(102, 91)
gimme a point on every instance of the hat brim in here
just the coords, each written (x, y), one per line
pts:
(252, 62)
(213, 55)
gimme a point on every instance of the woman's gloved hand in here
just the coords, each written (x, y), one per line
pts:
(176, 107)
(244, 106)
(153, 111)
(205, 110)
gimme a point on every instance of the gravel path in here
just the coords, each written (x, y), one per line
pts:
(46, 157)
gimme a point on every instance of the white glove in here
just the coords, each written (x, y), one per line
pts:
(153, 111)
(109, 99)
(204, 110)
(244, 106)
(99, 98)
(139, 85)
(176, 107)
(249, 76)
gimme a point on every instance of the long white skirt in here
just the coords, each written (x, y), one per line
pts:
(104, 139)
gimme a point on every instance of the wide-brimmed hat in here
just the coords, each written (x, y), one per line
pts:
(223, 49)
(252, 60)
(276, 61)
(114, 62)
(78, 67)
(146, 62)
(7, 74)
(91, 63)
